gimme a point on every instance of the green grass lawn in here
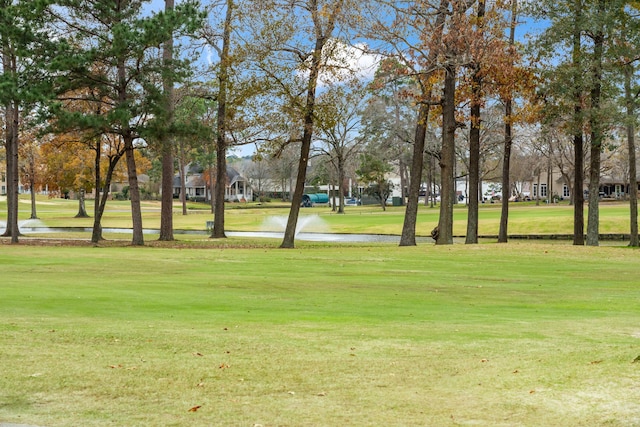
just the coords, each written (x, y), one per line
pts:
(362, 335)
(235, 332)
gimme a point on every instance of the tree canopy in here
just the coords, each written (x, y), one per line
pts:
(98, 81)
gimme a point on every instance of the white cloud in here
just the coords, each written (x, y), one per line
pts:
(348, 61)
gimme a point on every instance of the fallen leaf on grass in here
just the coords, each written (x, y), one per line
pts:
(224, 366)
(197, 353)
(200, 384)
(637, 359)
(322, 393)
(195, 408)
(484, 360)
(595, 362)
(130, 368)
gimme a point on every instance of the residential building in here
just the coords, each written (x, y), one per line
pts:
(237, 188)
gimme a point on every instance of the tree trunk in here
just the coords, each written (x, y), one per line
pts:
(127, 138)
(290, 231)
(506, 183)
(593, 223)
(549, 181)
(508, 142)
(383, 203)
(593, 219)
(221, 146)
(166, 203)
(408, 237)
(538, 173)
(578, 194)
(82, 209)
(12, 120)
(341, 179)
(221, 181)
(99, 207)
(445, 223)
(292, 221)
(631, 148)
(96, 234)
(134, 193)
(578, 139)
(474, 176)
(32, 185)
(332, 189)
(474, 157)
(13, 182)
(13, 178)
(474, 145)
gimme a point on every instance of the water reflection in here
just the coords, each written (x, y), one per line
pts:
(304, 236)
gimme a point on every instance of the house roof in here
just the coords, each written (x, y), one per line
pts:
(192, 181)
(234, 176)
(196, 181)
(194, 168)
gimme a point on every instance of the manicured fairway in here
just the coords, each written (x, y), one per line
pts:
(358, 335)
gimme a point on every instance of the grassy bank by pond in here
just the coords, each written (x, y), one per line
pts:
(524, 218)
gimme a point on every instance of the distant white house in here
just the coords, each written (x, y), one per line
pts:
(237, 188)
(22, 188)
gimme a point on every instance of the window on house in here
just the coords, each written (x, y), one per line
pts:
(565, 191)
(543, 190)
(199, 191)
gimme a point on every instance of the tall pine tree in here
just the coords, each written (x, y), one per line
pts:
(24, 50)
(112, 58)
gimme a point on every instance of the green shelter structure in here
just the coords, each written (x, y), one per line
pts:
(309, 200)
